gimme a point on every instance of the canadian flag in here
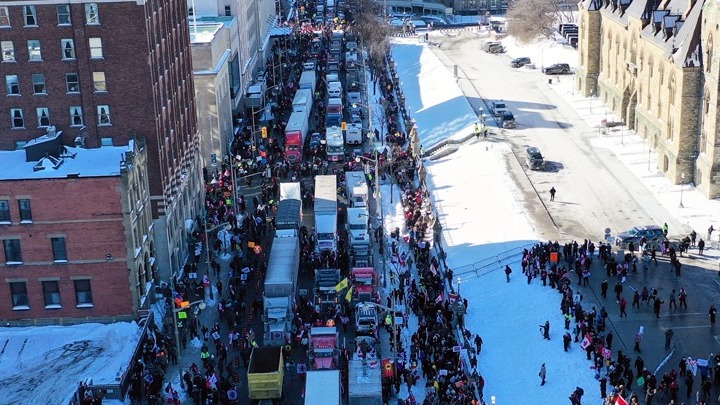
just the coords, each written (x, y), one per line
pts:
(586, 342)
(620, 401)
(373, 363)
(440, 298)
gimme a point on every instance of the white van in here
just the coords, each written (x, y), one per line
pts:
(334, 89)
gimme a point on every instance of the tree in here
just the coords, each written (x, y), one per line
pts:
(370, 26)
(530, 19)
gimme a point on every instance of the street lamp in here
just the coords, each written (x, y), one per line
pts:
(378, 204)
(200, 304)
(492, 400)
(459, 280)
(682, 185)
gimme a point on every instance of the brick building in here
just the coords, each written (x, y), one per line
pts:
(652, 65)
(103, 73)
(74, 229)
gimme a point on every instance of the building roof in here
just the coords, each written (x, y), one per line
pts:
(72, 162)
(203, 33)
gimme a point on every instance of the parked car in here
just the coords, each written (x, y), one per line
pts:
(557, 69)
(651, 233)
(520, 62)
(496, 49)
(508, 119)
(315, 142)
(534, 158)
(497, 108)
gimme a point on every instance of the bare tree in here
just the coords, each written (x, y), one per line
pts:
(370, 26)
(530, 19)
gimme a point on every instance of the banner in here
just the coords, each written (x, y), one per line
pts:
(342, 285)
(387, 368)
(348, 296)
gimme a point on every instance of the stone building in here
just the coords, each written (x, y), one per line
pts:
(651, 64)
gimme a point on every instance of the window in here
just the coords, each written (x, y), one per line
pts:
(106, 142)
(76, 116)
(30, 15)
(72, 82)
(83, 294)
(12, 84)
(8, 51)
(43, 116)
(92, 15)
(34, 50)
(16, 115)
(68, 48)
(58, 249)
(99, 81)
(96, 51)
(4, 211)
(20, 145)
(13, 254)
(19, 294)
(63, 13)
(38, 80)
(51, 292)
(103, 112)
(25, 210)
(228, 11)
(4, 17)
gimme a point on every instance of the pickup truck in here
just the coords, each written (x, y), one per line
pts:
(497, 108)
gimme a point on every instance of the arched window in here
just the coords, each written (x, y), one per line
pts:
(707, 101)
(651, 67)
(709, 53)
(671, 89)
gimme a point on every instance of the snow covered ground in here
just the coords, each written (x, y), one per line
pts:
(43, 365)
(485, 227)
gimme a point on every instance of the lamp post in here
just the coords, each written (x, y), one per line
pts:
(378, 208)
(459, 280)
(492, 400)
(200, 304)
(682, 186)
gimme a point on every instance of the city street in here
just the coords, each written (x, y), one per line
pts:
(594, 192)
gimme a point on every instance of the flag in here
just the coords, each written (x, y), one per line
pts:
(373, 363)
(387, 368)
(453, 298)
(342, 285)
(586, 342)
(620, 401)
(440, 298)
(348, 296)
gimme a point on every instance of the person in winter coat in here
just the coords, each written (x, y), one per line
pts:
(542, 374)
(546, 330)
(566, 340)
(712, 313)
(508, 270)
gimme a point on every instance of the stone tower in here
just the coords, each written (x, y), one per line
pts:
(588, 69)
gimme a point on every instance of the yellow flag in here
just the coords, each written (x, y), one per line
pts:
(342, 285)
(348, 296)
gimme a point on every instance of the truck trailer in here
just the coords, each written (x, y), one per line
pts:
(322, 387)
(295, 133)
(280, 284)
(326, 212)
(364, 382)
(265, 373)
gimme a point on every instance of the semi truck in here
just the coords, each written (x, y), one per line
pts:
(295, 133)
(308, 81)
(356, 189)
(265, 373)
(326, 211)
(280, 284)
(323, 387)
(357, 227)
(364, 382)
(334, 115)
(323, 352)
(366, 283)
(288, 217)
(335, 145)
(325, 294)
(303, 100)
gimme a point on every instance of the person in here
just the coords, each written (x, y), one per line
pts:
(665, 229)
(566, 341)
(542, 374)
(552, 194)
(477, 131)
(478, 343)
(638, 339)
(623, 305)
(604, 288)
(701, 246)
(712, 313)
(546, 330)
(668, 338)
(710, 231)
(508, 270)
(657, 304)
(693, 236)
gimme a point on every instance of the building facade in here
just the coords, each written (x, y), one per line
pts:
(212, 48)
(651, 63)
(76, 232)
(103, 73)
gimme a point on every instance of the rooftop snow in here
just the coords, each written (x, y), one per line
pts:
(96, 162)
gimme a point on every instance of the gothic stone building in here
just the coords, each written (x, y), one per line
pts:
(652, 63)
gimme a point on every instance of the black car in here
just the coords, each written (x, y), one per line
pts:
(557, 69)
(519, 62)
(651, 233)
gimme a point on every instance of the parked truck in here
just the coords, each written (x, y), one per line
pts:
(295, 133)
(334, 115)
(324, 348)
(356, 188)
(335, 145)
(308, 81)
(326, 210)
(357, 226)
(364, 382)
(353, 134)
(265, 373)
(325, 294)
(303, 100)
(366, 283)
(323, 387)
(280, 284)
(288, 217)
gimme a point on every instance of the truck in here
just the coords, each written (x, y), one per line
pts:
(323, 350)
(366, 319)
(308, 81)
(353, 134)
(323, 387)
(335, 144)
(303, 100)
(334, 115)
(265, 373)
(356, 188)
(366, 283)
(255, 97)
(280, 283)
(326, 211)
(357, 226)
(364, 382)
(325, 294)
(295, 133)
(288, 217)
